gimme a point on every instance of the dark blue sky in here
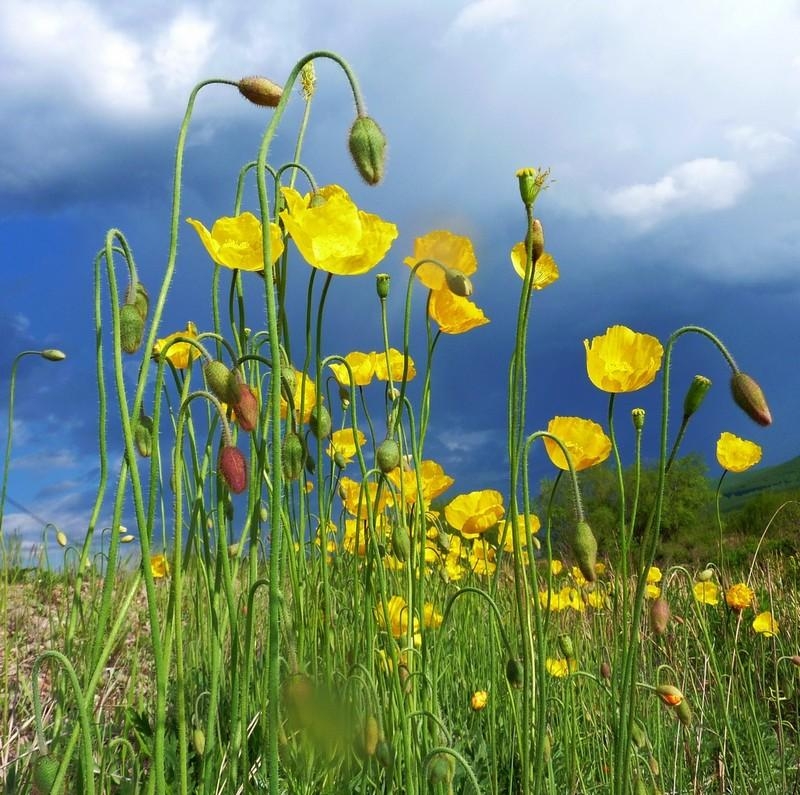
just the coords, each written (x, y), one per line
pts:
(674, 201)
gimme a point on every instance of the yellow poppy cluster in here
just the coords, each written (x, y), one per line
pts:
(376, 364)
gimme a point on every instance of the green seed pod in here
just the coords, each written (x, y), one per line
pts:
(382, 282)
(530, 184)
(367, 145)
(637, 416)
(695, 395)
(515, 673)
(260, 91)
(199, 741)
(131, 328)
(293, 454)
(45, 770)
(401, 544)
(143, 436)
(748, 396)
(584, 546)
(387, 456)
(219, 381)
(320, 422)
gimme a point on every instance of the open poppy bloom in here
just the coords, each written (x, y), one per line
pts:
(622, 360)
(765, 624)
(179, 354)
(236, 242)
(475, 513)
(585, 440)
(735, 454)
(546, 271)
(454, 314)
(453, 251)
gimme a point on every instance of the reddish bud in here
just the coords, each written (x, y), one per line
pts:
(750, 399)
(233, 468)
(260, 91)
(245, 406)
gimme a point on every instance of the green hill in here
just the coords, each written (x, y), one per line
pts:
(738, 489)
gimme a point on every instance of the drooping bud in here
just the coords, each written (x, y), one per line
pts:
(384, 753)
(293, 456)
(371, 736)
(387, 456)
(605, 670)
(143, 435)
(440, 769)
(684, 713)
(695, 395)
(536, 235)
(61, 538)
(53, 355)
(382, 284)
(260, 91)
(401, 544)
(141, 300)
(637, 415)
(670, 695)
(367, 145)
(131, 328)
(584, 547)
(339, 460)
(458, 283)
(45, 771)
(220, 380)
(199, 741)
(705, 575)
(245, 405)
(233, 468)
(795, 660)
(320, 422)
(566, 646)
(515, 673)
(659, 616)
(638, 735)
(748, 396)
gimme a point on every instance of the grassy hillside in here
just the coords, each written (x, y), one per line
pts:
(738, 489)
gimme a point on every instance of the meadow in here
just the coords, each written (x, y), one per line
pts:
(315, 606)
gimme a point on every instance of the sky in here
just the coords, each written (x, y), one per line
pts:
(670, 131)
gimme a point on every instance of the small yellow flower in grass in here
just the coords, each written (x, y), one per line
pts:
(431, 618)
(587, 443)
(559, 667)
(482, 559)
(556, 567)
(355, 498)
(654, 574)
(652, 591)
(765, 624)
(535, 526)
(739, 596)
(577, 575)
(396, 365)
(707, 593)
(596, 599)
(600, 569)
(735, 454)
(454, 314)
(454, 251)
(479, 700)
(332, 234)
(475, 513)
(236, 242)
(546, 269)
(179, 354)
(346, 443)
(398, 617)
(622, 360)
(362, 365)
(159, 566)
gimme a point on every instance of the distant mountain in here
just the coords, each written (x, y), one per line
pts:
(738, 489)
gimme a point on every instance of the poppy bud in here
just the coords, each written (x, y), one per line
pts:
(382, 282)
(45, 770)
(401, 544)
(639, 787)
(387, 456)
(61, 538)
(367, 145)
(263, 513)
(320, 422)
(233, 468)
(143, 436)
(605, 670)
(795, 660)
(515, 672)
(293, 456)
(220, 381)
(141, 300)
(260, 91)
(695, 395)
(659, 616)
(288, 381)
(565, 644)
(53, 355)
(458, 283)
(536, 235)
(440, 769)
(584, 546)
(748, 396)
(705, 575)
(245, 405)
(384, 753)
(131, 328)
(638, 735)
(199, 740)
(684, 713)
(670, 695)
(637, 415)
(371, 736)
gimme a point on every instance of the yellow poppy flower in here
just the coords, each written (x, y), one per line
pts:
(353, 496)
(560, 667)
(159, 566)
(475, 513)
(622, 360)
(362, 365)
(398, 616)
(585, 440)
(596, 599)
(396, 365)
(735, 454)
(482, 559)
(706, 593)
(652, 591)
(305, 391)
(332, 234)
(765, 624)
(346, 442)
(654, 574)
(479, 700)
(431, 619)
(546, 269)
(535, 525)
(739, 596)
(454, 251)
(434, 481)
(236, 242)
(556, 567)
(181, 353)
(355, 532)
(454, 314)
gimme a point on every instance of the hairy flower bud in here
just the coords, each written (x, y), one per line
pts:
(536, 235)
(143, 436)
(566, 646)
(514, 672)
(220, 381)
(605, 670)
(748, 396)
(387, 456)
(131, 328)
(695, 395)
(705, 575)
(659, 616)
(53, 355)
(199, 741)
(320, 422)
(584, 547)
(401, 544)
(440, 769)
(45, 771)
(384, 753)
(61, 538)
(245, 405)
(233, 468)
(458, 283)
(371, 736)
(367, 145)
(260, 91)
(141, 300)
(293, 456)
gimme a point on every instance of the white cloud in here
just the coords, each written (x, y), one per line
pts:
(760, 150)
(181, 51)
(702, 185)
(485, 15)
